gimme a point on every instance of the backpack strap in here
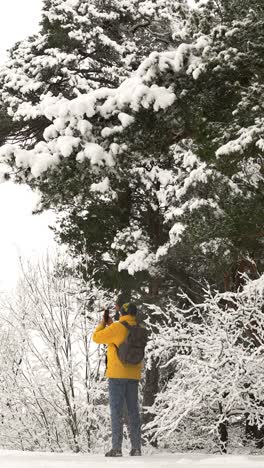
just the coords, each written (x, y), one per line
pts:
(126, 325)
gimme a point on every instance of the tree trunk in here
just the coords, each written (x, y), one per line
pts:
(223, 433)
(223, 436)
(150, 390)
(151, 385)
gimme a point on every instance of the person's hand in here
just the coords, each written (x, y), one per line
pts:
(108, 322)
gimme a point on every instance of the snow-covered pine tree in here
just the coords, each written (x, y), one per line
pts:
(146, 161)
(48, 66)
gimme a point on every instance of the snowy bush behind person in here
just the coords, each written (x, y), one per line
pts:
(212, 360)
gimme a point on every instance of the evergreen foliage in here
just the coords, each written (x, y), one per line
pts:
(158, 176)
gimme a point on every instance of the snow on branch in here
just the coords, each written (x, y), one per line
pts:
(65, 137)
(211, 357)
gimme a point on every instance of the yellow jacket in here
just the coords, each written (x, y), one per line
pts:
(113, 336)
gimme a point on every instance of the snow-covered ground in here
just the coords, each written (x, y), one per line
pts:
(13, 459)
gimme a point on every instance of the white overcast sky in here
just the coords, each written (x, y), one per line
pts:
(18, 19)
(21, 233)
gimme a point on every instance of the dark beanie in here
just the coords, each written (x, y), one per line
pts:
(132, 309)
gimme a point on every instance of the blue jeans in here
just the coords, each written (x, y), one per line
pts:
(121, 392)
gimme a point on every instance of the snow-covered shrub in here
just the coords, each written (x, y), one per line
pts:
(52, 396)
(211, 357)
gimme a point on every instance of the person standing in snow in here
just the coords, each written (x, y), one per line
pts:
(123, 380)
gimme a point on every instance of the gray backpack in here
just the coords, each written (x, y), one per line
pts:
(131, 351)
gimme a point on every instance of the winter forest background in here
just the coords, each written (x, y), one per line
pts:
(141, 125)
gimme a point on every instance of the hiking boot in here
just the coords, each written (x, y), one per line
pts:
(135, 453)
(114, 453)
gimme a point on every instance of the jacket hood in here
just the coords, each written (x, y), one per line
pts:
(128, 318)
